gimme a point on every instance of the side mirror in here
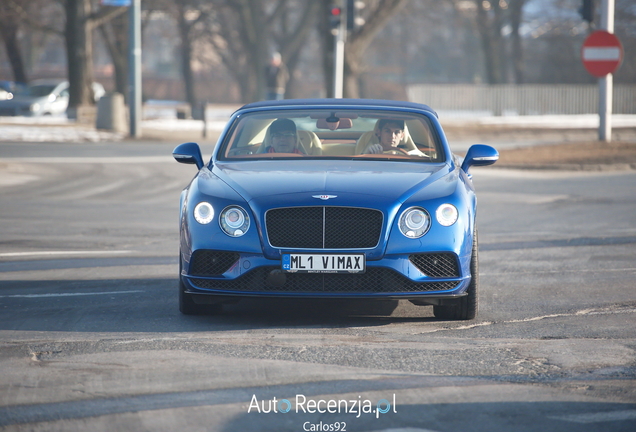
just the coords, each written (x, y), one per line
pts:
(480, 155)
(188, 153)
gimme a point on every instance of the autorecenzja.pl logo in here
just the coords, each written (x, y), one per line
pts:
(302, 405)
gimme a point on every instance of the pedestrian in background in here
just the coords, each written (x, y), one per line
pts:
(276, 77)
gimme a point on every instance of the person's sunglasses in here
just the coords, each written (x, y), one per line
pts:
(283, 135)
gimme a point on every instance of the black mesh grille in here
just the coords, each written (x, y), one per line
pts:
(299, 227)
(375, 280)
(211, 262)
(347, 227)
(439, 265)
(324, 227)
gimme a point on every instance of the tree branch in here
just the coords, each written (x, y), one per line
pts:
(361, 38)
(298, 37)
(26, 17)
(104, 14)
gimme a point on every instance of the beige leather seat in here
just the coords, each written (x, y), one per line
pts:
(310, 142)
(369, 138)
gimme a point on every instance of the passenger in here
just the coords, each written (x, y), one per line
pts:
(389, 135)
(281, 137)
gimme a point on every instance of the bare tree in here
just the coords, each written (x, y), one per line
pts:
(10, 12)
(625, 27)
(498, 24)
(516, 18)
(490, 22)
(327, 46)
(82, 17)
(244, 32)
(291, 33)
(190, 16)
(238, 32)
(378, 15)
(25, 17)
(554, 42)
(115, 36)
(114, 33)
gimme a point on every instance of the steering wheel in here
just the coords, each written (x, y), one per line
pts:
(399, 150)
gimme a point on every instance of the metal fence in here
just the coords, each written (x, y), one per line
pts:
(526, 99)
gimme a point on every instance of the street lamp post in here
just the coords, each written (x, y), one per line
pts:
(134, 67)
(606, 83)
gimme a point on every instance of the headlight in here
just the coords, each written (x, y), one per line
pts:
(203, 213)
(234, 221)
(446, 214)
(414, 222)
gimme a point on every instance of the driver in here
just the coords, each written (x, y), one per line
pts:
(283, 138)
(389, 136)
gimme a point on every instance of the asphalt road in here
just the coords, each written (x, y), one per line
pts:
(91, 337)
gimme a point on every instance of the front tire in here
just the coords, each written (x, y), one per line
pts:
(466, 307)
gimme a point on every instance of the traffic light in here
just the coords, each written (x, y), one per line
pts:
(587, 10)
(354, 19)
(335, 16)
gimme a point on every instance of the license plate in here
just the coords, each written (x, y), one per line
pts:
(324, 263)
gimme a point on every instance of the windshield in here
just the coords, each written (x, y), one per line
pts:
(329, 133)
(39, 90)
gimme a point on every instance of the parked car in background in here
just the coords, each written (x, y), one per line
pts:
(42, 98)
(331, 198)
(9, 88)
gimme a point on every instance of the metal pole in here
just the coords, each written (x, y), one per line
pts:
(606, 84)
(134, 68)
(338, 64)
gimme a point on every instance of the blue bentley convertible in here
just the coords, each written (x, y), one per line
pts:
(331, 198)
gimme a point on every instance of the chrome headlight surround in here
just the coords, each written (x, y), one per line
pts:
(447, 214)
(234, 221)
(414, 222)
(203, 213)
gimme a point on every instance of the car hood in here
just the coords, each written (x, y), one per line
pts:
(271, 183)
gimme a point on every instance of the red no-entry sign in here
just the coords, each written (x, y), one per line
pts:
(601, 53)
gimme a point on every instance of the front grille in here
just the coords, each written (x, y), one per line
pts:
(211, 262)
(374, 280)
(324, 227)
(437, 265)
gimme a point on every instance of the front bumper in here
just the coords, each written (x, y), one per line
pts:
(427, 275)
